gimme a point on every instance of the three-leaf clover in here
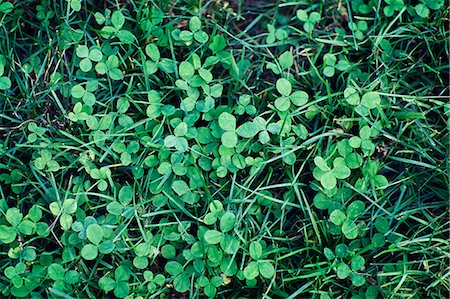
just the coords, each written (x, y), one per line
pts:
(195, 32)
(85, 93)
(309, 21)
(346, 220)
(117, 22)
(276, 34)
(283, 103)
(64, 212)
(328, 176)
(423, 9)
(227, 122)
(358, 29)
(181, 281)
(110, 67)
(119, 285)
(331, 64)
(363, 141)
(258, 266)
(369, 100)
(152, 51)
(45, 160)
(5, 82)
(88, 55)
(392, 7)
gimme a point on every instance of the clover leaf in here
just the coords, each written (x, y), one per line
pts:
(309, 20)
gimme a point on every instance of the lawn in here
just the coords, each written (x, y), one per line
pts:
(224, 149)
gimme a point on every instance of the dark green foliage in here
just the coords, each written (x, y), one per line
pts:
(253, 149)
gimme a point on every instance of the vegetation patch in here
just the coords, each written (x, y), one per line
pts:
(212, 149)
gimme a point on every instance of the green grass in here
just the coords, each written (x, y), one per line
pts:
(256, 149)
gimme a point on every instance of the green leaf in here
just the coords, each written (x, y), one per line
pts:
(95, 55)
(195, 24)
(85, 65)
(206, 75)
(181, 283)
(341, 251)
(173, 268)
(14, 216)
(94, 233)
(106, 283)
(328, 253)
(6, 7)
(341, 171)
(321, 163)
(115, 74)
(27, 227)
(213, 236)
(52, 166)
(308, 26)
(227, 121)
(201, 36)
(255, 249)
(314, 17)
(75, 5)
(284, 87)
(247, 130)
(371, 100)
(218, 43)
(349, 229)
(227, 222)
(358, 280)
(82, 51)
(89, 252)
(372, 292)
(153, 52)
(181, 129)
(125, 195)
(365, 132)
(55, 271)
(7, 234)
(186, 70)
(329, 59)
(251, 271)
(282, 103)
(266, 269)
(351, 96)
(382, 225)
(302, 15)
(355, 209)
(77, 91)
(337, 217)
(329, 71)
(343, 271)
(422, 10)
(114, 208)
(70, 206)
(353, 161)
(180, 187)
(286, 60)
(299, 98)
(328, 180)
(121, 289)
(433, 4)
(357, 263)
(216, 90)
(263, 137)
(140, 262)
(229, 139)
(355, 142)
(118, 19)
